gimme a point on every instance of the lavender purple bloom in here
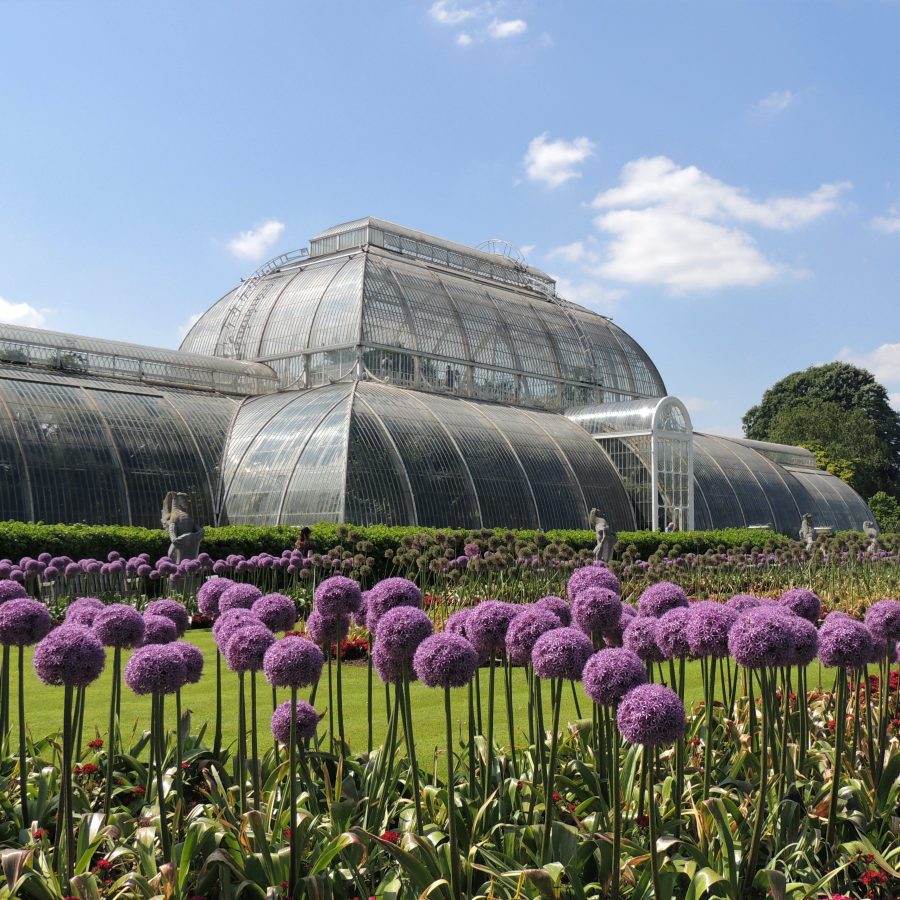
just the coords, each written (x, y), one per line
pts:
(119, 625)
(159, 630)
(445, 660)
(640, 638)
(247, 647)
(69, 655)
(559, 607)
(209, 595)
(293, 662)
(83, 611)
(238, 596)
(487, 625)
(596, 609)
(173, 610)
(659, 598)
(595, 575)
(192, 657)
(23, 622)
(708, 627)
(883, 618)
(845, 643)
(758, 639)
(388, 594)
(561, 653)
(525, 629)
(671, 633)
(306, 717)
(803, 603)
(610, 674)
(651, 715)
(276, 611)
(338, 596)
(156, 669)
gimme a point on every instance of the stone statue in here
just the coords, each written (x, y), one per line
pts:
(185, 535)
(606, 536)
(807, 532)
(872, 532)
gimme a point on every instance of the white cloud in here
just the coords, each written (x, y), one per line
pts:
(894, 400)
(698, 404)
(554, 162)
(463, 39)
(883, 362)
(678, 226)
(185, 327)
(501, 29)
(21, 314)
(526, 249)
(777, 101)
(445, 12)
(588, 292)
(889, 224)
(253, 244)
(575, 252)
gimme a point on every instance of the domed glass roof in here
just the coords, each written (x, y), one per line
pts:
(376, 300)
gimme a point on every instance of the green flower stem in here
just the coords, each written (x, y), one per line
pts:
(480, 728)
(159, 730)
(23, 769)
(884, 686)
(489, 761)
(870, 737)
(551, 773)
(179, 775)
(541, 730)
(508, 682)
(654, 856)
(217, 741)
(411, 750)
(763, 778)
(275, 749)
(111, 736)
(855, 744)
(455, 874)
(68, 824)
(292, 796)
(369, 683)
(330, 702)
(471, 747)
(840, 715)
(340, 702)
(786, 714)
(4, 696)
(708, 712)
(254, 744)
(242, 744)
(617, 816)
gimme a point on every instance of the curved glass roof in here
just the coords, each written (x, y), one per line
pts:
(737, 486)
(370, 453)
(660, 414)
(419, 320)
(81, 449)
(78, 355)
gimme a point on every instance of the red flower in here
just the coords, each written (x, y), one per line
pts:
(137, 789)
(571, 806)
(287, 833)
(187, 765)
(556, 797)
(831, 724)
(642, 821)
(102, 866)
(89, 769)
(873, 876)
(40, 833)
(392, 837)
(695, 742)
(520, 785)
(95, 744)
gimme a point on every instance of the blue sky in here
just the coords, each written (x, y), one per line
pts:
(722, 178)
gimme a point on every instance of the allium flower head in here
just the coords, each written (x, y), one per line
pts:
(742, 602)
(804, 640)
(326, 630)
(23, 622)
(306, 717)
(209, 594)
(119, 625)
(707, 628)
(671, 633)
(445, 660)
(83, 611)
(596, 609)
(173, 610)
(159, 630)
(192, 657)
(361, 615)
(229, 622)
(559, 607)
(338, 596)
(803, 603)
(246, 648)
(293, 662)
(595, 575)
(487, 624)
(400, 631)
(525, 629)
(238, 596)
(883, 618)
(651, 715)
(758, 639)
(640, 638)
(561, 653)
(69, 655)
(456, 623)
(659, 598)
(156, 669)
(845, 643)
(613, 636)
(388, 594)
(276, 611)
(610, 674)
(11, 590)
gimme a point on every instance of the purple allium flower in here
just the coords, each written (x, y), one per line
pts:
(83, 611)
(613, 636)
(70, 655)
(472, 550)
(156, 669)
(559, 607)
(844, 643)
(326, 630)
(338, 596)
(159, 630)
(651, 715)
(11, 590)
(306, 717)
(388, 594)
(119, 625)
(456, 623)
(804, 640)
(23, 622)
(708, 627)
(238, 596)
(445, 660)
(400, 632)
(758, 639)
(742, 602)
(671, 633)
(639, 637)
(883, 619)
(525, 629)
(173, 610)
(659, 598)
(595, 575)
(276, 611)
(561, 653)
(293, 662)
(246, 648)
(610, 674)
(229, 622)
(192, 657)
(487, 624)
(360, 616)
(803, 603)
(596, 609)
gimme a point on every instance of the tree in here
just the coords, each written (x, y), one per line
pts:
(842, 414)
(887, 511)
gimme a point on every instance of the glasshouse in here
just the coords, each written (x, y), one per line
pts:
(384, 376)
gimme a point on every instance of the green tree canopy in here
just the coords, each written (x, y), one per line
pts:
(842, 414)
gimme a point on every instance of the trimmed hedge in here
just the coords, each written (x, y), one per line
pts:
(18, 539)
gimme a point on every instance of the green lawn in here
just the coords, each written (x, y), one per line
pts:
(44, 704)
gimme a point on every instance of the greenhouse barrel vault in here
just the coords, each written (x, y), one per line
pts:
(384, 376)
